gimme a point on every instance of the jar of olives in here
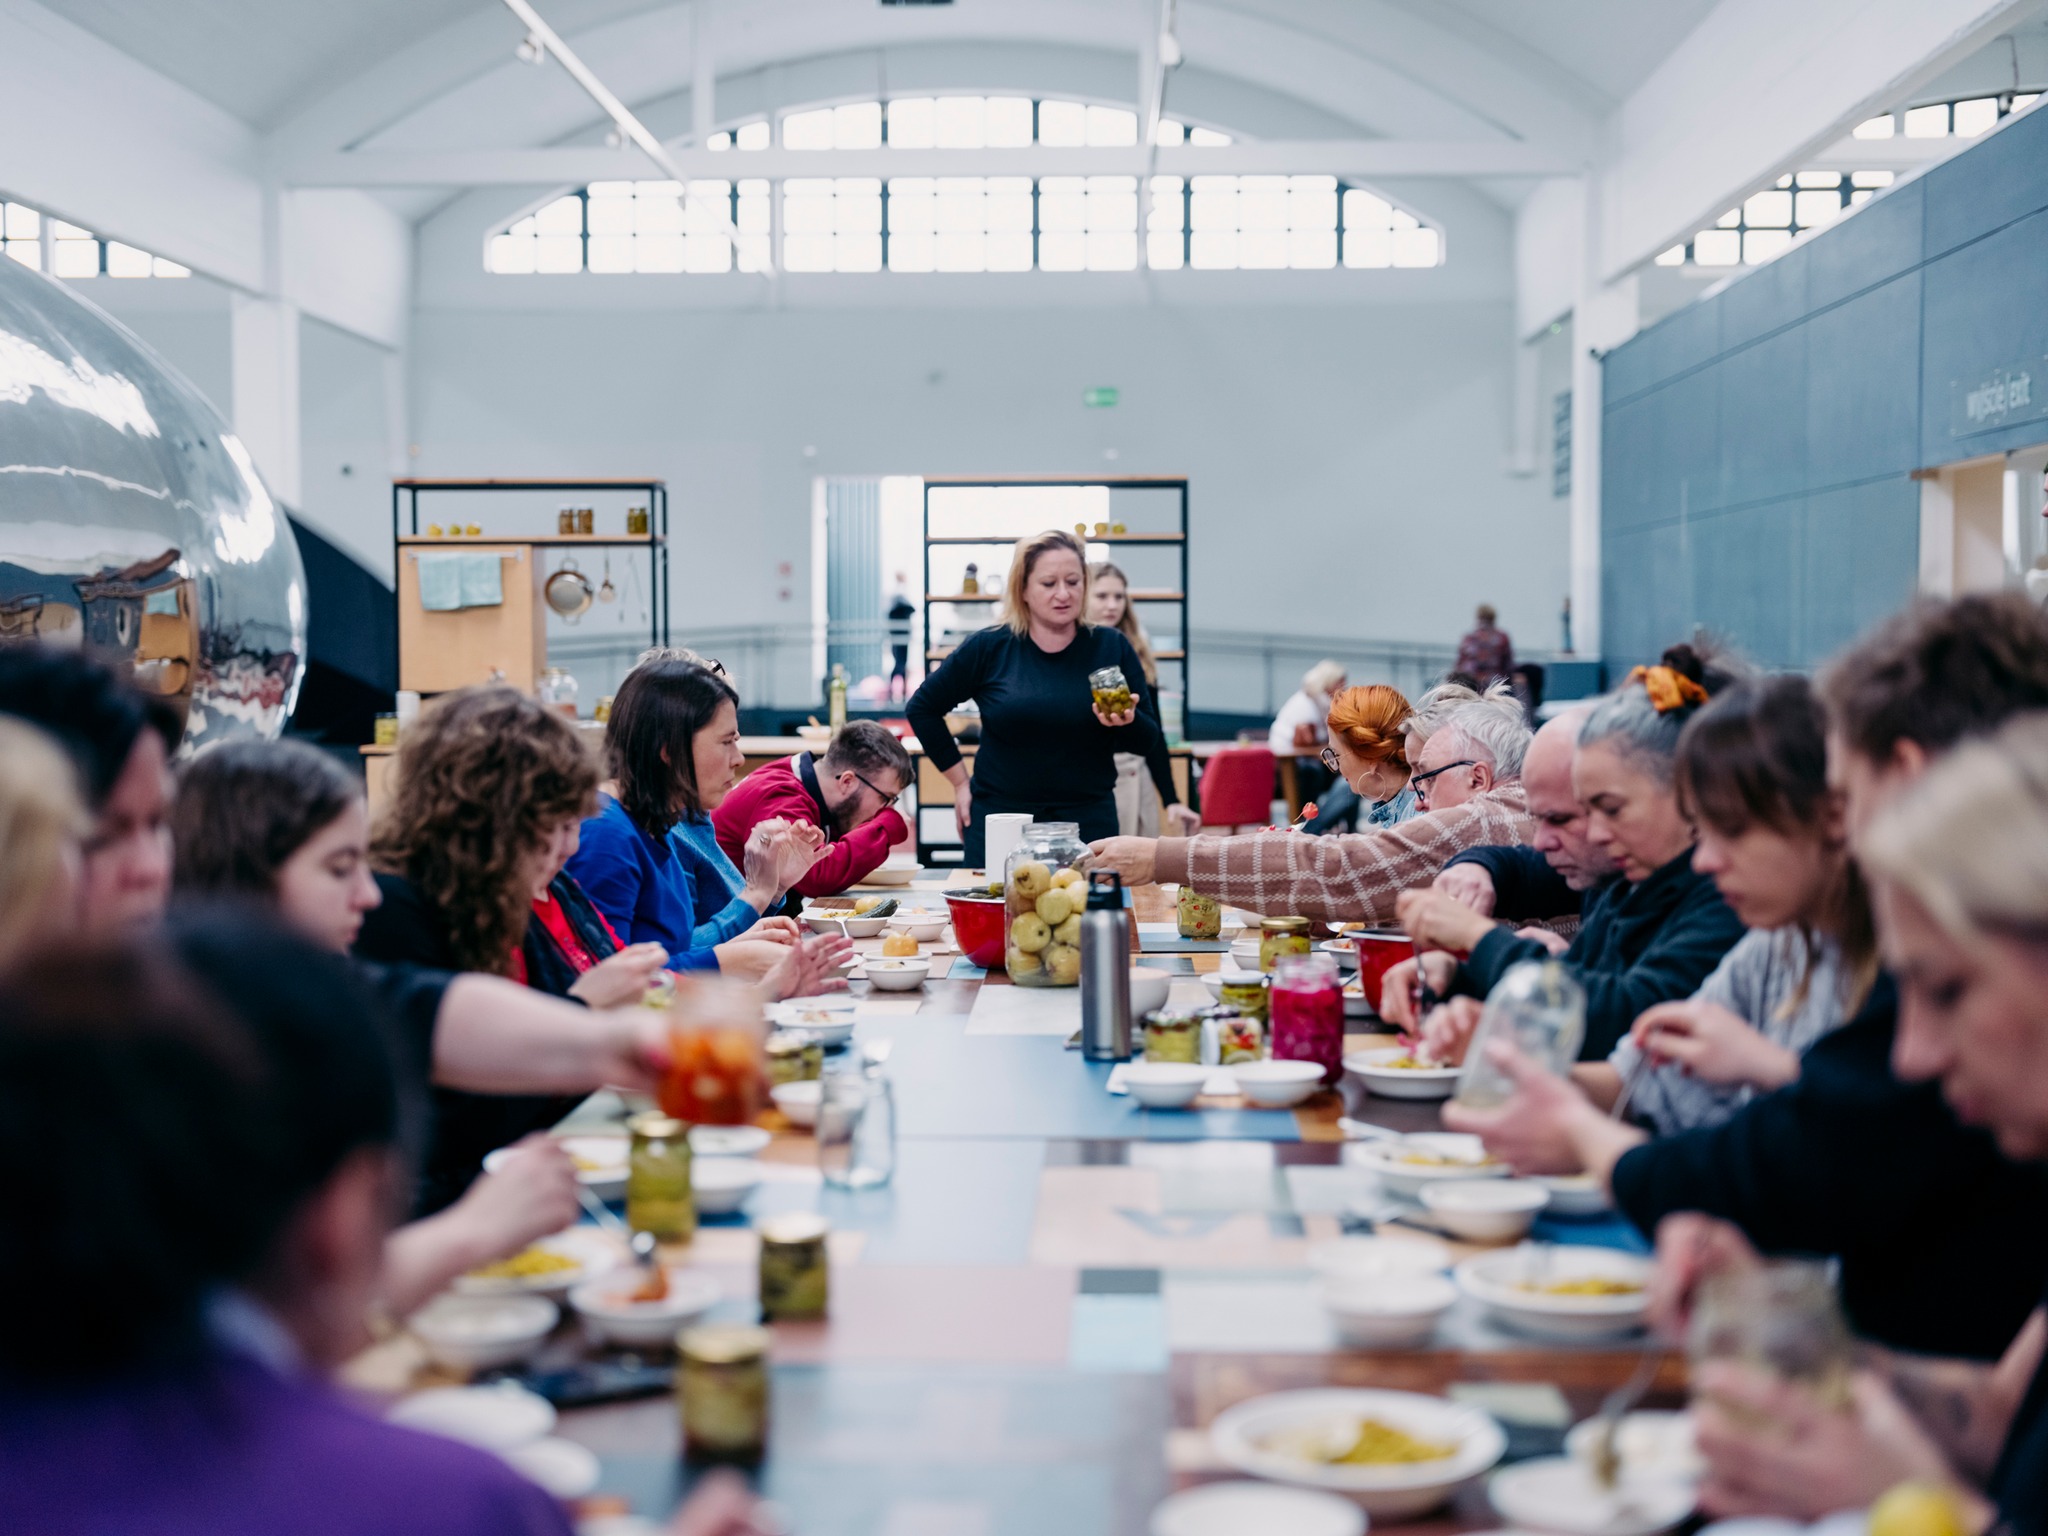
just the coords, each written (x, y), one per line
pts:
(1112, 691)
(1043, 894)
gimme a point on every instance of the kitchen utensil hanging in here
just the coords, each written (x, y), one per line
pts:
(568, 592)
(607, 593)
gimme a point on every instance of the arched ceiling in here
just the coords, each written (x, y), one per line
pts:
(320, 75)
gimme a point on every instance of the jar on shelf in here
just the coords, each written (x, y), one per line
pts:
(557, 691)
(971, 582)
(1308, 1013)
(1282, 936)
(565, 520)
(1197, 916)
(1043, 894)
(636, 521)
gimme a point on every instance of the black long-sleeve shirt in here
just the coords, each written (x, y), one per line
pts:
(1525, 888)
(1641, 943)
(1942, 1241)
(1040, 740)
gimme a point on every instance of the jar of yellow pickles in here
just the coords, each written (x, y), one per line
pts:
(658, 1194)
(1282, 936)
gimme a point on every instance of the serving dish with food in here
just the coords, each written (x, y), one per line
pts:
(546, 1268)
(1396, 1072)
(1398, 1454)
(1406, 1163)
(1569, 1294)
(643, 1311)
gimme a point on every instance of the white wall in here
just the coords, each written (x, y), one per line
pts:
(344, 446)
(1347, 461)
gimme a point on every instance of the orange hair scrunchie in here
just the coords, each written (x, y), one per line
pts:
(1668, 689)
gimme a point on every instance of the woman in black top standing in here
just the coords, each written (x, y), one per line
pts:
(1045, 751)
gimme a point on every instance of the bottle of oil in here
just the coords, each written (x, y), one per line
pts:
(835, 697)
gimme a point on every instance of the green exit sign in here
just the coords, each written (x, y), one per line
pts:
(1100, 398)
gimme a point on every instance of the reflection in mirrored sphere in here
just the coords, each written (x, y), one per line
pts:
(133, 522)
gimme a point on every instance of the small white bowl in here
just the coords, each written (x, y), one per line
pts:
(1485, 1210)
(1376, 1070)
(1256, 1509)
(1165, 1084)
(1245, 952)
(1574, 1194)
(1148, 990)
(1556, 1493)
(1376, 1258)
(888, 973)
(605, 1309)
(841, 919)
(1505, 1283)
(722, 1184)
(831, 1019)
(799, 1101)
(925, 927)
(1390, 1311)
(894, 871)
(561, 1467)
(1217, 980)
(728, 1141)
(499, 1417)
(476, 1333)
(1405, 1164)
(1343, 951)
(1277, 1084)
(816, 738)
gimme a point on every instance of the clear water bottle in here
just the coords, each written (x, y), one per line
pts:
(856, 1130)
(1539, 1007)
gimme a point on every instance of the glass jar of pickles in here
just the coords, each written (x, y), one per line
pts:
(1196, 915)
(722, 1392)
(1171, 1036)
(1248, 994)
(795, 1268)
(1112, 691)
(1282, 936)
(794, 1056)
(658, 1195)
(1043, 893)
(1239, 1036)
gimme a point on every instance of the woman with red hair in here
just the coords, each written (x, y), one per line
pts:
(1368, 757)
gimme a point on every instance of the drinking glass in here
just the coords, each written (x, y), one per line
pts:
(1540, 1008)
(717, 1064)
(1783, 1316)
(856, 1131)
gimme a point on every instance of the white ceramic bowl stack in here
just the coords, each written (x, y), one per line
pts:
(1277, 1084)
(1485, 1210)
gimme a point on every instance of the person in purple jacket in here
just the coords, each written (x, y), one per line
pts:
(199, 1157)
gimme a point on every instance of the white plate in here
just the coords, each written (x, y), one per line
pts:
(1256, 1509)
(1240, 1435)
(1574, 1194)
(494, 1418)
(1556, 1493)
(1370, 1067)
(728, 1140)
(829, 1018)
(594, 1251)
(561, 1467)
(1466, 1156)
(1496, 1281)
(606, 1179)
(889, 872)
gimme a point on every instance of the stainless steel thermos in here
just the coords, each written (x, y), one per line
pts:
(1105, 970)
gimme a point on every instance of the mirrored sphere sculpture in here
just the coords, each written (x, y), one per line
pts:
(133, 522)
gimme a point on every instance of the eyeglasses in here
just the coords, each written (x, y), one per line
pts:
(887, 798)
(1328, 758)
(1420, 782)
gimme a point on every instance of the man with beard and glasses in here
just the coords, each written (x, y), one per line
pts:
(849, 794)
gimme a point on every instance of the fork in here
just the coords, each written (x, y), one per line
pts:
(1614, 1408)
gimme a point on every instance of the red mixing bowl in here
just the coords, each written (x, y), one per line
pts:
(978, 924)
(1379, 951)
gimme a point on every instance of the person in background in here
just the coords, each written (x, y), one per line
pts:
(174, 1382)
(120, 740)
(43, 827)
(282, 825)
(650, 860)
(1467, 783)
(1526, 683)
(1848, 1161)
(1300, 730)
(849, 795)
(1485, 653)
(901, 611)
(1650, 933)
(1959, 867)
(1109, 607)
(1367, 760)
(1046, 749)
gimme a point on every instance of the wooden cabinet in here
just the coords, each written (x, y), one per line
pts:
(440, 651)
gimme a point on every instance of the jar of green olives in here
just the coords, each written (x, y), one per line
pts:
(1043, 893)
(1112, 690)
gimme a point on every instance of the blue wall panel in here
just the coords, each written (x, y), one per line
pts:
(1758, 445)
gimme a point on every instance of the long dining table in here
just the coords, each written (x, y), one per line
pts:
(1033, 1324)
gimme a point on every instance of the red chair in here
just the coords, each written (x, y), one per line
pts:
(1237, 788)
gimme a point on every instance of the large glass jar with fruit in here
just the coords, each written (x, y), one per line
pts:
(1043, 894)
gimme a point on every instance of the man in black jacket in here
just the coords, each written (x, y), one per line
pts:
(1849, 1161)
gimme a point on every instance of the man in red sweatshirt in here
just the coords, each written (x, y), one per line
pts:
(849, 793)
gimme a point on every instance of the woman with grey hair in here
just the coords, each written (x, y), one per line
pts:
(1653, 931)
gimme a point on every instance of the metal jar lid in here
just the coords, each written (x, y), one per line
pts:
(723, 1344)
(653, 1125)
(795, 1227)
(1283, 925)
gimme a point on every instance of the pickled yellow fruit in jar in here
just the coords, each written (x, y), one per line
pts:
(1064, 877)
(898, 945)
(1055, 906)
(1020, 963)
(1031, 880)
(1062, 964)
(1068, 932)
(1030, 933)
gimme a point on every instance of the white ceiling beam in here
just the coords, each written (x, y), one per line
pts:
(1368, 159)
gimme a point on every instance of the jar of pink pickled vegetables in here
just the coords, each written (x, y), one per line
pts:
(1307, 1021)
